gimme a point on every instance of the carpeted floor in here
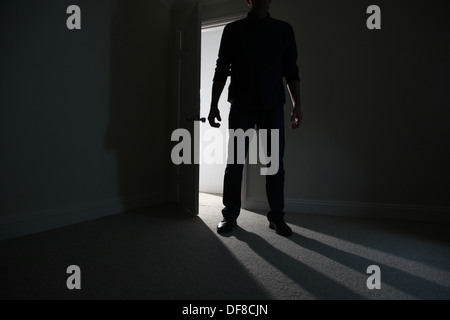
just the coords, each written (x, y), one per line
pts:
(163, 253)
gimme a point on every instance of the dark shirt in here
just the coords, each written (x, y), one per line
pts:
(257, 54)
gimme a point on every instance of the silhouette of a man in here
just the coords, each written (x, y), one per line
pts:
(257, 52)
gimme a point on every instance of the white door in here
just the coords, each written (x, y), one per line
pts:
(189, 106)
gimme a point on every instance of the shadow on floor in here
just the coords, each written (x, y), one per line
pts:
(158, 253)
(419, 243)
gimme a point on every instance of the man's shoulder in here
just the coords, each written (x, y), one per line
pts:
(281, 23)
(236, 23)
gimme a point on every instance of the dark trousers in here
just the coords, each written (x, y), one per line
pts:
(261, 119)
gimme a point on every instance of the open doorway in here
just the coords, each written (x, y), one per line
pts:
(211, 174)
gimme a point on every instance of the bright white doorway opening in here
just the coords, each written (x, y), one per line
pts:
(211, 175)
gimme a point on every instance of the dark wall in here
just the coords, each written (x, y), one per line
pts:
(82, 112)
(139, 108)
(375, 103)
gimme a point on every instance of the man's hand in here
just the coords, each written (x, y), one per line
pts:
(214, 114)
(296, 118)
(296, 114)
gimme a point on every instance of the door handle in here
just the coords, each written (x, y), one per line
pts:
(196, 118)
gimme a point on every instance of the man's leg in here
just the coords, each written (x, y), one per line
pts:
(232, 191)
(233, 173)
(274, 119)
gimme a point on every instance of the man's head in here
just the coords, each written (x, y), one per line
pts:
(259, 6)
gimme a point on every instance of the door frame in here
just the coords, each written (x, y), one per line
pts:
(185, 173)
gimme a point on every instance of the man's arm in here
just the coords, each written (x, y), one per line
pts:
(220, 76)
(296, 114)
(214, 112)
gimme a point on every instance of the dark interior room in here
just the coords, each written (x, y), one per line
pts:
(93, 207)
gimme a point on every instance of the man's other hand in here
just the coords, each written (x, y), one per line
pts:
(296, 118)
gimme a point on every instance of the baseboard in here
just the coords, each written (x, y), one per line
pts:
(32, 222)
(358, 209)
(211, 189)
